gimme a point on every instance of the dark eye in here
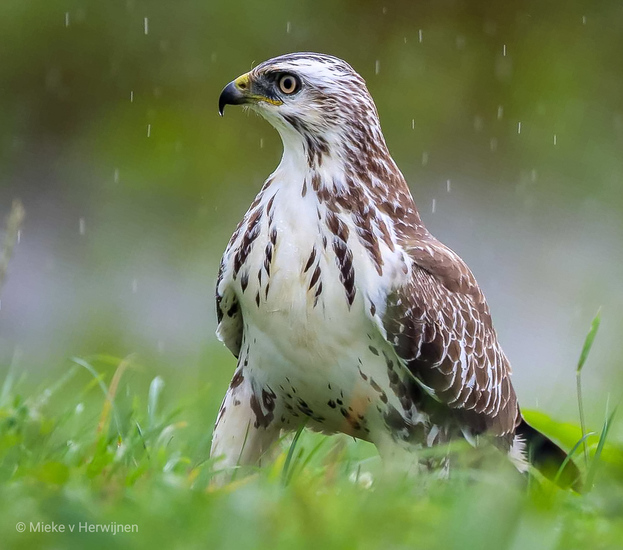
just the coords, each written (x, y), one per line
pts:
(288, 84)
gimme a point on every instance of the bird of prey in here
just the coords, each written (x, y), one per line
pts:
(343, 311)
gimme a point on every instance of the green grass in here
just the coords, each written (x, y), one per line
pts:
(106, 442)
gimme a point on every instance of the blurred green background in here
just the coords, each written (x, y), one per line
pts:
(507, 117)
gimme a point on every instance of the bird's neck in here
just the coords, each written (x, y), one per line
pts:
(347, 171)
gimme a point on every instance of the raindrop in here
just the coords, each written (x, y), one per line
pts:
(384, 10)
(424, 158)
(493, 144)
(160, 346)
(134, 286)
(149, 130)
(288, 27)
(419, 35)
(478, 123)
(519, 127)
(131, 96)
(533, 175)
(448, 186)
(116, 175)
(504, 50)
(405, 39)
(82, 226)
(460, 42)
(434, 205)
(377, 67)
(261, 143)
(584, 20)
(412, 124)
(67, 19)
(146, 25)
(500, 112)
(555, 139)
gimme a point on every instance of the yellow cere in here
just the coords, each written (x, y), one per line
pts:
(243, 83)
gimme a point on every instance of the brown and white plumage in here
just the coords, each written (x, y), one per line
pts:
(342, 309)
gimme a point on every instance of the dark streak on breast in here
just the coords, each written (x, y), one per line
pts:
(310, 260)
(252, 232)
(237, 379)
(343, 254)
(244, 281)
(268, 257)
(262, 419)
(315, 277)
(344, 260)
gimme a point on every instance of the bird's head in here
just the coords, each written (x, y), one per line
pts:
(317, 97)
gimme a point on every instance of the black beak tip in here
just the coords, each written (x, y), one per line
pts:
(230, 95)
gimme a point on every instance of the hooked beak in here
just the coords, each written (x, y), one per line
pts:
(235, 93)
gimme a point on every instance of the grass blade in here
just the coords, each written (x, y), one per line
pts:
(9, 379)
(570, 454)
(286, 466)
(155, 389)
(600, 446)
(588, 344)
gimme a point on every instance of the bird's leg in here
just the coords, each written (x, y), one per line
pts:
(245, 429)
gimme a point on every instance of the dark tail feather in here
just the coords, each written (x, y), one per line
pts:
(547, 458)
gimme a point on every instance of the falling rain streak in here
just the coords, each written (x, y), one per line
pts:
(146, 25)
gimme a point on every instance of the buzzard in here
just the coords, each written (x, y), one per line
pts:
(343, 311)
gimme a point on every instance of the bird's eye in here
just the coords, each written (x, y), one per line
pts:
(288, 84)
